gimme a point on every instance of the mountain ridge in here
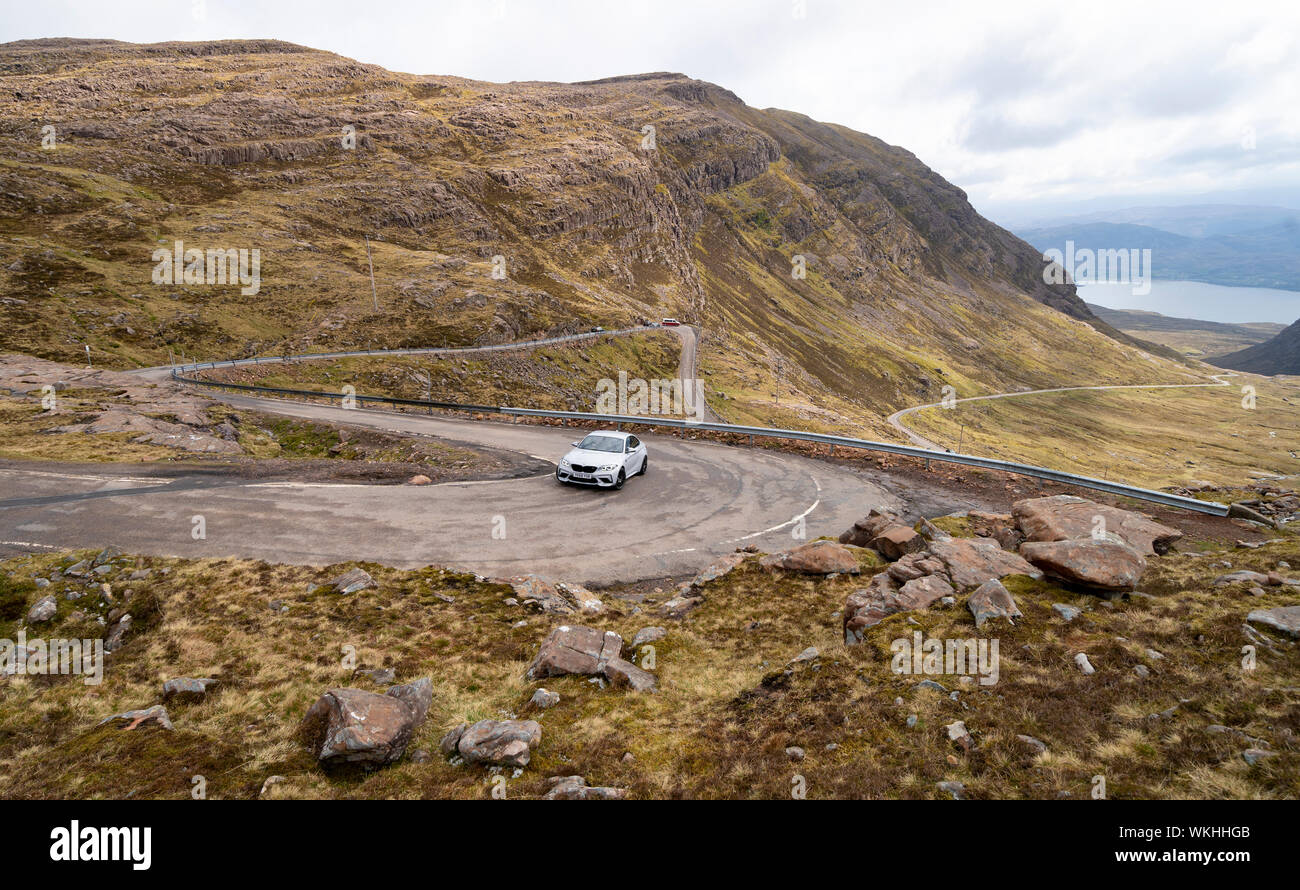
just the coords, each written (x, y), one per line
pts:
(907, 288)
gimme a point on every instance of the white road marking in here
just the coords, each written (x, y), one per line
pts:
(29, 544)
(777, 528)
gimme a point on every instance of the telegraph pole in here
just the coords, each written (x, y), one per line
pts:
(370, 262)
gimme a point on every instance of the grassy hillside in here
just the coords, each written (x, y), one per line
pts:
(1153, 437)
(241, 145)
(729, 701)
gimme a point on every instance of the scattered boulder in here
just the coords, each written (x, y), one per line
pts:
(588, 652)
(555, 597)
(897, 541)
(969, 562)
(1082, 662)
(419, 479)
(956, 789)
(353, 580)
(724, 566)
(1240, 577)
(1284, 618)
(960, 735)
(355, 726)
(1067, 613)
(576, 788)
(865, 530)
(647, 635)
(378, 676)
(809, 654)
(868, 606)
(1062, 517)
(679, 605)
(1001, 527)
(153, 716)
(187, 690)
(992, 600)
(42, 610)
(1037, 746)
(107, 554)
(814, 558)
(544, 698)
(1101, 563)
(1252, 756)
(496, 742)
(916, 565)
(417, 695)
(794, 752)
(117, 634)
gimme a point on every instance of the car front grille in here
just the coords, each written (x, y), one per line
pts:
(579, 468)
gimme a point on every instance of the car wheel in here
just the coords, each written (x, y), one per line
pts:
(645, 462)
(618, 483)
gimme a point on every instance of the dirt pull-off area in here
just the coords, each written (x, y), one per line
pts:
(55, 412)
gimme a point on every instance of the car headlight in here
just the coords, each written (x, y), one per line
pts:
(564, 462)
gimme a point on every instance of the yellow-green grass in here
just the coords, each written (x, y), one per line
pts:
(725, 711)
(27, 433)
(1156, 437)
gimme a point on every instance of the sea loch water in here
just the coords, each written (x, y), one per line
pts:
(1195, 299)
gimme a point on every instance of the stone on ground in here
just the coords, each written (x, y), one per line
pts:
(1061, 517)
(1101, 563)
(814, 558)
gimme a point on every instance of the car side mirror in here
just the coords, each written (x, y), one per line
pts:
(574, 444)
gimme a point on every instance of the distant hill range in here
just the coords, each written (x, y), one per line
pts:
(1190, 336)
(1236, 245)
(1280, 355)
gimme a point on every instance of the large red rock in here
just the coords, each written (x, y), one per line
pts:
(992, 600)
(883, 597)
(495, 742)
(865, 529)
(355, 726)
(814, 558)
(1063, 517)
(586, 651)
(970, 562)
(897, 541)
(1103, 563)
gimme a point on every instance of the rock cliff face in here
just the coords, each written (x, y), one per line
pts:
(497, 211)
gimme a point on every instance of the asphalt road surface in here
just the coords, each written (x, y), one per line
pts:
(698, 500)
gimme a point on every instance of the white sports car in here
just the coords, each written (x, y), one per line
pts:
(604, 458)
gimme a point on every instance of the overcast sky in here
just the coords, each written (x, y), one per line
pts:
(1034, 111)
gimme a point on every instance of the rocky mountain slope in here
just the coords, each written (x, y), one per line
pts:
(1280, 355)
(499, 211)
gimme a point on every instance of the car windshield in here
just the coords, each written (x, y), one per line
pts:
(601, 443)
